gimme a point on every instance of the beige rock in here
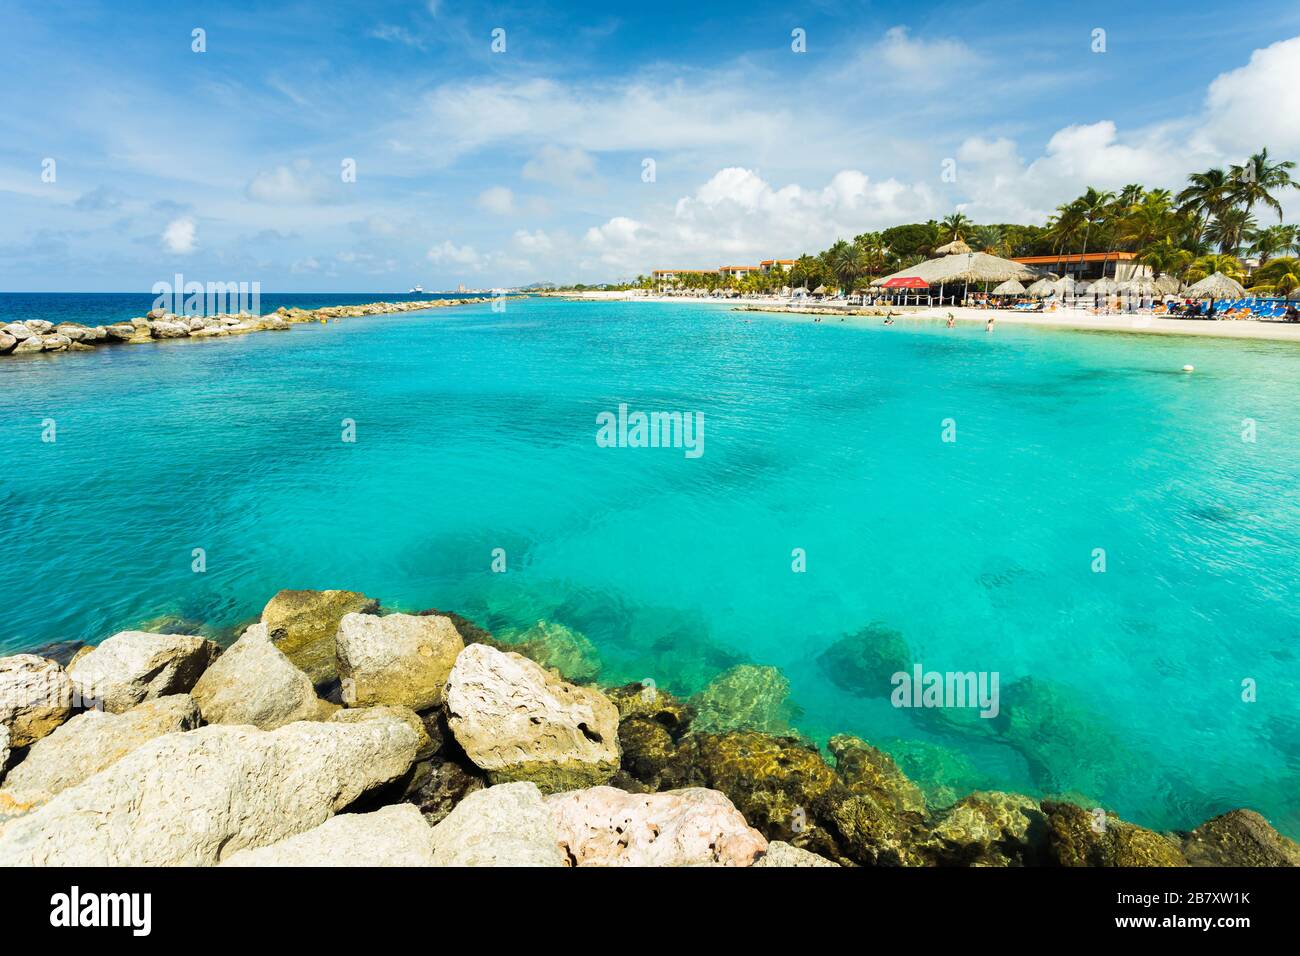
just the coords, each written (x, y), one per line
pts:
(505, 825)
(253, 683)
(425, 744)
(33, 343)
(35, 697)
(196, 798)
(135, 666)
(55, 343)
(784, 854)
(395, 659)
(303, 624)
(4, 751)
(604, 826)
(393, 836)
(88, 743)
(7, 343)
(517, 721)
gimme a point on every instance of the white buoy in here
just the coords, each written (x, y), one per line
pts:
(1189, 368)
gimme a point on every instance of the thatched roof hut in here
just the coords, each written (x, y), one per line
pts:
(1167, 284)
(955, 248)
(1040, 288)
(1140, 286)
(964, 267)
(1010, 287)
(1216, 286)
(1104, 286)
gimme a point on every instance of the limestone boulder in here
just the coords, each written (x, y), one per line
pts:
(780, 854)
(55, 342)
(33, 343)
(7, 343)
(396, 659)
(169, 330)
(4, 751)
(87, 744)
(39, 326)
(604, 826)
(254, 683)
(120, 331)
(18, 330)
(393, 836)
(1239, 838)
(303, 625)
(135, 666)
(35, 697)
(196, 798)
(505, 825)
(517, 721)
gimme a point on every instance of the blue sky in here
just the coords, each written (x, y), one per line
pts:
(488, 168)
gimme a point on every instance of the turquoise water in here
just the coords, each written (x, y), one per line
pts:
(476, 430)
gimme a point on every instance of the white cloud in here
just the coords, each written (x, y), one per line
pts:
(286, 185)
(538, 241)
(181, 236)
(301, 266)
(1257, 104)
(900, 58)
(497, 200)
(448, 253)
(560, 166)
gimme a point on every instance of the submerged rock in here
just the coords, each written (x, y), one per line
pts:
(134, 666)
(195, 798)
(395, 659)
(881, 820)
(747, 697)
(989, 829)
(784, 854)
(782, 786)
(943, 774)
(87, 744)
(517, 721)
(865, 663)
(392, 836)
(302, 624)
(505, 825)
(562, 648)
(253, 683)
(603, 826)
(1079, 837)
(35, 697)
(1239, 838)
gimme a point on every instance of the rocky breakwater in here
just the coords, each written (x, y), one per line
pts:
(441, 745)
(38, 335)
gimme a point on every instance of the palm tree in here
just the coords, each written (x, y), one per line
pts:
(842, 261)
(988, 239)
(1255, 181)
(1204, 266)
(1271, 241)
(1206, 196)
(1063, 229)
(1094, 205)
(953, 226)
(1283, 275)
(1230, 228)
(1165, 257)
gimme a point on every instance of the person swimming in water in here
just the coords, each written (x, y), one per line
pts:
(988, 326)
(951, 320)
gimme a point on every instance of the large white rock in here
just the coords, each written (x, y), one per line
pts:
(784, 855)
(135, 666)
(87, 744)
(604, 826)
(196, 798)
(397, 659)
(517, 721)
(505, 825)
(35, 697)
(254, 683)
(394, 836)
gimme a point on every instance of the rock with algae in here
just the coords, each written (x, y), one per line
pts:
(746, 697)
(1079, 837)
(864, 662)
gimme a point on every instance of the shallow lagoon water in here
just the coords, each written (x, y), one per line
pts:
(476, 430)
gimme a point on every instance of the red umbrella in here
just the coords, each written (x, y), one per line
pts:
(906, 282)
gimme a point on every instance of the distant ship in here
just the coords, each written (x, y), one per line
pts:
(415, 290)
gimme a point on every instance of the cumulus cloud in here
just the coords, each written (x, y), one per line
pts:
(1260, 99)
(900, 58)
(180, 236)
(286, 185)
(497, 200)
(448, 253)
(560, 166)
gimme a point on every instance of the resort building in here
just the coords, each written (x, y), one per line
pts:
(767, 265)
(736, 272)
(672, 275)
(1120, 266)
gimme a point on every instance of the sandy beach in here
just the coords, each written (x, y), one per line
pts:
(1066, 319)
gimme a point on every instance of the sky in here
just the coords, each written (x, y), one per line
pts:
(321, 146)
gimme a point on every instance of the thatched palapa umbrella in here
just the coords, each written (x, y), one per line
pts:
(1167, 284)
(954, 248)
(1010, 287)
(964, 267)
(1104, 286)
(1040, 288)
(1217, 286)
